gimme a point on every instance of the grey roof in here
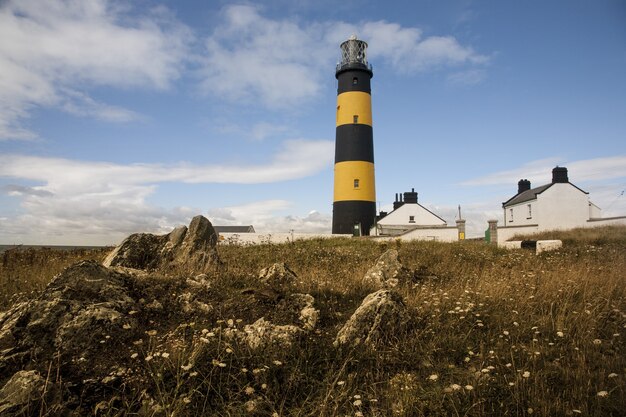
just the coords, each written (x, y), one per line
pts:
(234, 229)
(526, 195)
(531, 194)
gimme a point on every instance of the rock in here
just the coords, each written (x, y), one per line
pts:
(21, 394)
(302, 304)
(200, 281)
(81, 311)
(137, 251)
(197, 249)
(277, 276)
(388, 271)
(190, 304)
(297, 308)
(380, 315)
(262, 334)
(189, 249)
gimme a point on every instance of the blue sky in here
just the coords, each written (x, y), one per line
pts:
(119, 117)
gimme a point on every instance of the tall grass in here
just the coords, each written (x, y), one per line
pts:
(492, 333)
(25, 272)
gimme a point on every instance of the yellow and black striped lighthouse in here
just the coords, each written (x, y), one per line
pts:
(354, 203)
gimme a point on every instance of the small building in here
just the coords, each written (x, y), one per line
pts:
(234, 229)
(409, 220)
(557, 205)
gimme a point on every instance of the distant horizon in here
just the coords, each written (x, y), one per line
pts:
(117, 119)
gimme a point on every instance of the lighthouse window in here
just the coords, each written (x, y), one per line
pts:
(355, 118)
(355, 81)
(356, 183)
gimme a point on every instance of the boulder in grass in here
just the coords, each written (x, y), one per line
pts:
(381, 315)
(191, 249)
(388, 271)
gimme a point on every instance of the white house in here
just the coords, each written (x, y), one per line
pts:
(409, 220)
(557, 205)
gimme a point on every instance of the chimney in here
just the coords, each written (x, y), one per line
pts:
(559, 175)
(398, 202)
(410, 197)
(523, 185)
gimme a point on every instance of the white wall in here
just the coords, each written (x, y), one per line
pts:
(439, 234)
(562, 206)
(401, 216)
(521, 214)
(260, 238)
(594, 211)
(609, 221)
(506, 233)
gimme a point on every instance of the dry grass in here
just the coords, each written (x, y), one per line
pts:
(25, 272)
(494, 333)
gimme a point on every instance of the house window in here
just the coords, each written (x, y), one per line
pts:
(530, 211)
(355, 81)
(510, 215)
(355, 118)
(411, 219)
(356, 183)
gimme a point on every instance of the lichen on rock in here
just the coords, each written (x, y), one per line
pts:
(189, 249)
(388, 271)
(380, 315)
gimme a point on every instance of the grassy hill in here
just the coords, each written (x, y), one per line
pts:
(492, 333)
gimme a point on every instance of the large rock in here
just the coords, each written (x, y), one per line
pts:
(185, 249)
(380, 315)
(22, 394)
(277, 276)
(78, 316)
(388, 271)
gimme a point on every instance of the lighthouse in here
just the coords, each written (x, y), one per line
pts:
(354, 201)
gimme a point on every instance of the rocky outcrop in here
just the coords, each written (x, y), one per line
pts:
(380, 315)
(81, 312)
(187, 249)
(277, 276)
(388, 271)
(22, 394)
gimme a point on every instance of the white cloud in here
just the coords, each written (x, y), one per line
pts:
(283, 62)
(540, 171)
(80, 201)
(408, 51)
(265, 217)
(48, 48)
